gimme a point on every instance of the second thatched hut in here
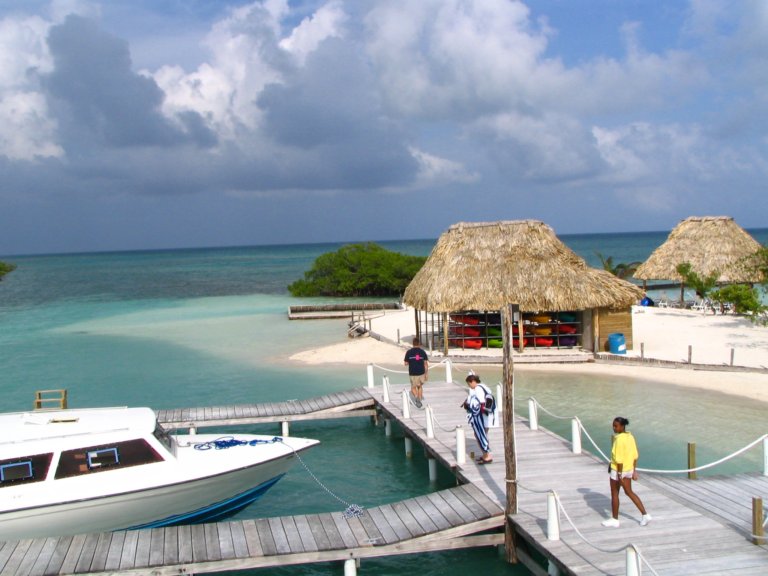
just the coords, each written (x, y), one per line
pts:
(712, 245)
(477, 268)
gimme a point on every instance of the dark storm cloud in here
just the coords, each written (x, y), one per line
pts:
(329, 111)
(98, 99)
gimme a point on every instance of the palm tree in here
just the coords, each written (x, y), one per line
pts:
(621, 270)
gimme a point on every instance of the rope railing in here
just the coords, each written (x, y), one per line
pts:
(553, 532)
(537, 406)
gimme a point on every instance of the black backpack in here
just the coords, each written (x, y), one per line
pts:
(490, 401)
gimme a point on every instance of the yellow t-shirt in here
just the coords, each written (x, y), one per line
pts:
(623, 451)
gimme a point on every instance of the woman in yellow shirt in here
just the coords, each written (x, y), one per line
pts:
(623, 470)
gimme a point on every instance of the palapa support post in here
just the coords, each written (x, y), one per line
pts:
(370, 375)
(508, 314)
(758, 530)
(691, 460)
(575, 436)
(533, 414)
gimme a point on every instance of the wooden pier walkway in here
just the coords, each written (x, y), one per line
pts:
(346, 404)
(443, 520)
(698, 527)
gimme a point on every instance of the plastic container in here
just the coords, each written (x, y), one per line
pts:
(617, 344)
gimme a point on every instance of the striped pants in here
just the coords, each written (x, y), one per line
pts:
(476, 421)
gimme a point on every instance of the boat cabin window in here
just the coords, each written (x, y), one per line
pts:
(22, 470)
(93, 459)
(103, 457)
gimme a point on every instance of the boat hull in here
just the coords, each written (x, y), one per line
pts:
(203, 499)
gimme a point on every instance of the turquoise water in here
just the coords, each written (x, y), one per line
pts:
(209, 326)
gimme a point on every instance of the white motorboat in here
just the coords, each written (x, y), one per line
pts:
(71, 471)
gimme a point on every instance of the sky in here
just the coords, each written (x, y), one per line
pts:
(142, 124)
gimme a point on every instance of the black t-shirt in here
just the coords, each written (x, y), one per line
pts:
(416, 357)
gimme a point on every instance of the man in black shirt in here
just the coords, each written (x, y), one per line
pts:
(418, 371)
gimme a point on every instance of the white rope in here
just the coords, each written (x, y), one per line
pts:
(652, 470)
(443, 428)
(711, 464)
(584, 538)
(432, 364)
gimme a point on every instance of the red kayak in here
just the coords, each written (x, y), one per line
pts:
(466, 330)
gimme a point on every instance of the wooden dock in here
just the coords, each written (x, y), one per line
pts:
(698, 527)
(445, 520)
(346, 404)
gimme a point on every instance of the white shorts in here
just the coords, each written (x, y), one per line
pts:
(624, 474)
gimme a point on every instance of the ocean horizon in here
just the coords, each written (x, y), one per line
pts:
(172, 328)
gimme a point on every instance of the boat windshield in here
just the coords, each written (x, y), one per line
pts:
(164, 437)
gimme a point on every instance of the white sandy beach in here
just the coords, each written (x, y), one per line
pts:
(665, 333)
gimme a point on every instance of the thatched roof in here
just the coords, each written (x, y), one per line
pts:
(712, 244)
(487, 265)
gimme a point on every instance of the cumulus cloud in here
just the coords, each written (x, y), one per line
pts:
(340, 97)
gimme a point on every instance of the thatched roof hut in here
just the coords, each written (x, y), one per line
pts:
(711, 244)
(487, 265)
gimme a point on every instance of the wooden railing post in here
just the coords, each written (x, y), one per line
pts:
(758, 531)
(691, 460)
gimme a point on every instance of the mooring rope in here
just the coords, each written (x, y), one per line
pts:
(224, 442)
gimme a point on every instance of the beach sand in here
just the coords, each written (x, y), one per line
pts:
(665, 334)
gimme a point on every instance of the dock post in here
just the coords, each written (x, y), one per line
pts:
(690, 353)
(370, 375)
(430, 425)
(461, 445)
(350, 567)
(192, 429)
(633, 561)
(385, 387)
(691, 460)
(448, 371)
(408, 447)
(642, 350)
(406, 405)
(733, 351)
(387, 427)
(533, 415)
(432, 463)
(552, 569)
(576, 436)
(758, 530)
(553, 517)
(765, 456)
(499, 396)
(285, 429)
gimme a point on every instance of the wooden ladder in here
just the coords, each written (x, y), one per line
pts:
(50, 399)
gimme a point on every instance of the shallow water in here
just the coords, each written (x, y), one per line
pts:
(198, 328)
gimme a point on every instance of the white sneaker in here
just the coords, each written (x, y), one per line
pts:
(611, 523)
(646, 518)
